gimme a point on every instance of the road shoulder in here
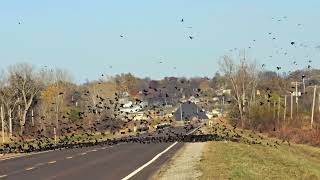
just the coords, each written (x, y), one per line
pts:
(184, 165)
(9, 156)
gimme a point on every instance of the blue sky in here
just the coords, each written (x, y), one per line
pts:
(84, 36)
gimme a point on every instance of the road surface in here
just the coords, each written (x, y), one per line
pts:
(99, 162)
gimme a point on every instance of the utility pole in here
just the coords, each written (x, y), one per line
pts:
(297, 98)
(32, 118)
(10, 122)
(19, 114)
(313, 104)
(254, 96)
(285, 108)
(57, 113)
(279, 103)
(319, 101)
(57, 105)
(291, 110)
(222, 104)
(304, 86)
(55, 135)
(274, 109)
(181, 112)
(197, 113)
(2, 124)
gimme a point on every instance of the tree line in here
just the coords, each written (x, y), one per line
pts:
(35, 100)
(285, 104)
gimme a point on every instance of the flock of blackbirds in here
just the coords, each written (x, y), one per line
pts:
(182, 21)
(71, 131)
(219, 132)
(225, 132)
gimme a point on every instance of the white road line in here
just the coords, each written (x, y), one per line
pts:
(52, 162)
(148, 163)
(94, 150)
(2, 176)
(11, 157)
(194, 130)
(35, 153)
(82, 154)
(39, 164)
(70, 157)
(156, 157)
(30, 168)
(24, 155)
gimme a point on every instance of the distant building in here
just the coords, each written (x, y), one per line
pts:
(188, 111)
(214, 113)
(194, 100)
(222, 92)
(127, 104)
(133, 109)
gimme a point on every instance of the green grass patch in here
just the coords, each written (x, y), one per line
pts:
(229, 160)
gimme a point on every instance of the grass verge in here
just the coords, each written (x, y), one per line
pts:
(229, 160)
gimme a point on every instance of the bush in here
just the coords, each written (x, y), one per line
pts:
(74, 113)
(300, 136)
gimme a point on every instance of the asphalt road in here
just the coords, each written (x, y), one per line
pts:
(95, 163)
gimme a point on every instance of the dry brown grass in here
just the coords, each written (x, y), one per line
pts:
(299, 136)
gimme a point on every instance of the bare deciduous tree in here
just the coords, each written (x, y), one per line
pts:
(24, 78)
(8, 97)
(243, 79)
